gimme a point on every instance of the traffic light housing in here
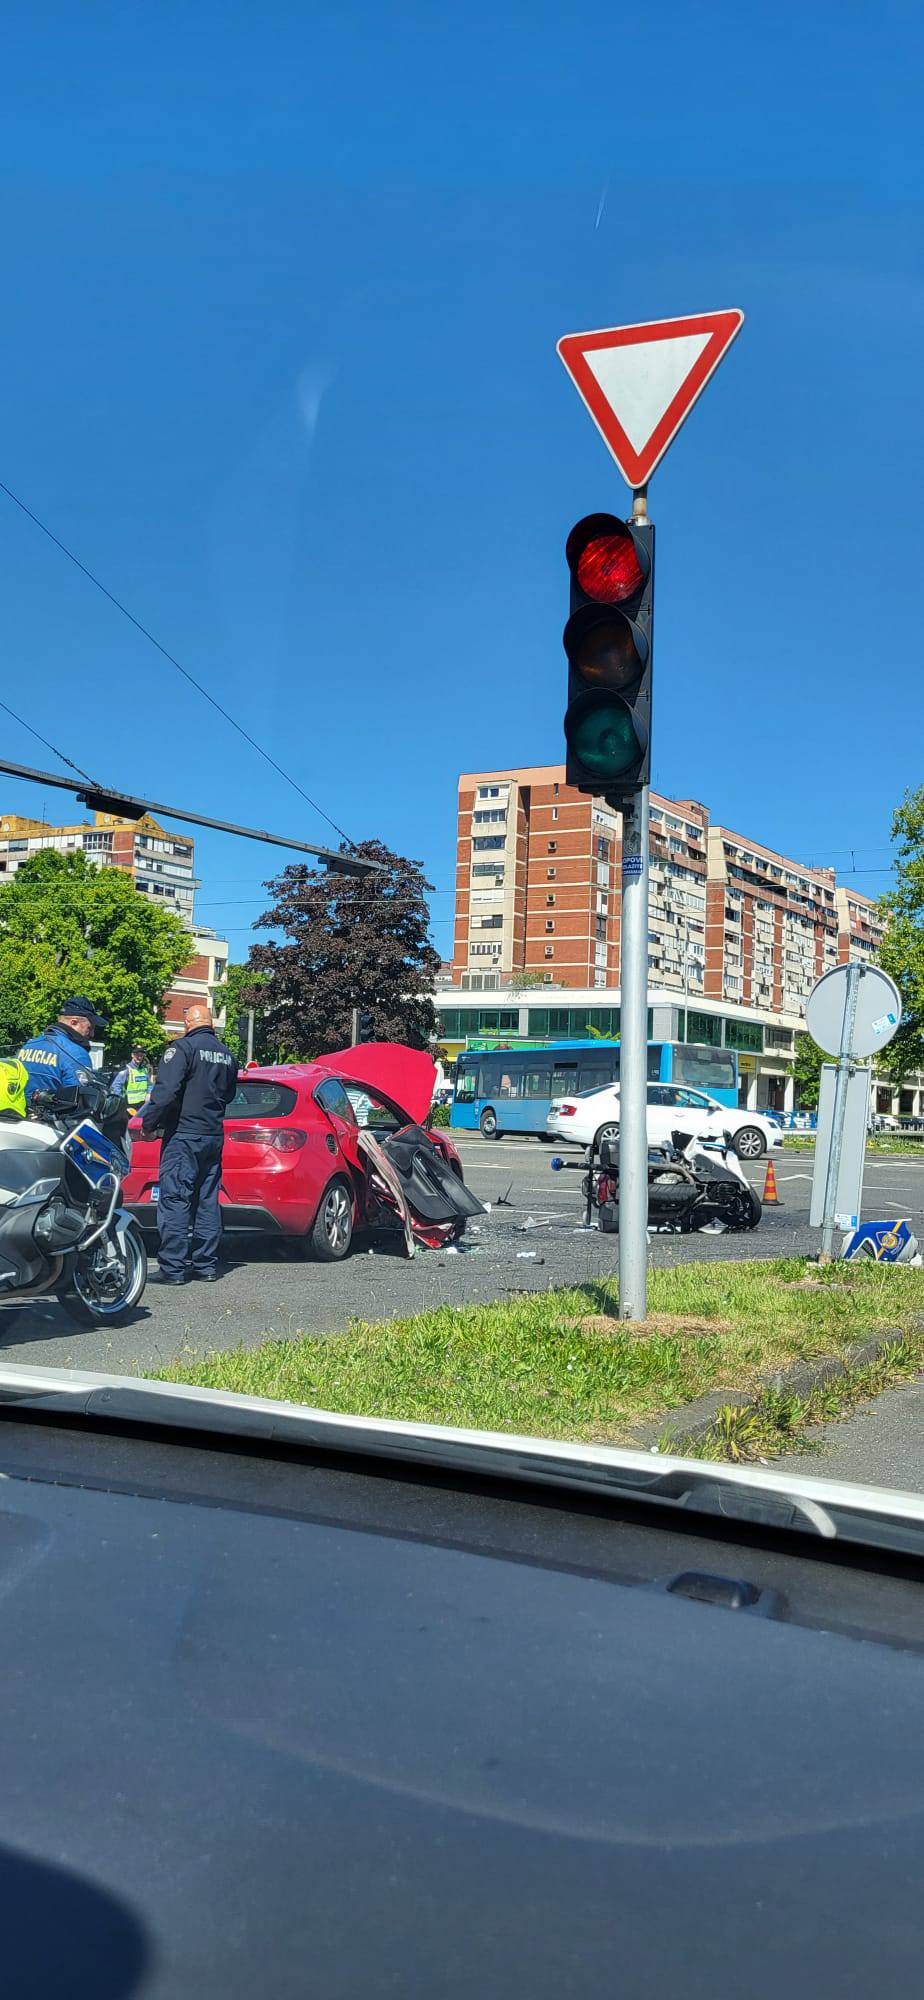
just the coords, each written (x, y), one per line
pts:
(365, 1026)
(608, 641)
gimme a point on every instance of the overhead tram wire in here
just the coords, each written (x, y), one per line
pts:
(81, 773)
(174, 662)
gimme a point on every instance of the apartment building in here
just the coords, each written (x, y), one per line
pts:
(771, 925)
(859, 926)
(162, 868)
(161, 864)
(738, 933)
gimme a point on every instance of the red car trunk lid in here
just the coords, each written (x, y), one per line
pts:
(407, 1076)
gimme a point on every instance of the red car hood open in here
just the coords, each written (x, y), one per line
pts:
(407, 1076)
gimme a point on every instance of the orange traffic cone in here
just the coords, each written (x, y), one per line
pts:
(770, 1197)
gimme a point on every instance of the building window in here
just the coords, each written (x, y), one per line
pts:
(550, 923)
(553, 847)
(484, 841)
(744, 1035)
(551, 873)
(550, 951)
(550, 901)
(489, 791)
(554, 812)
(704, 1028)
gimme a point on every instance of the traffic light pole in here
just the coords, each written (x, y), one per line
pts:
(633, 1063)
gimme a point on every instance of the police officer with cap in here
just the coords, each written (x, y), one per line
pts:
(60, 1058)
(196, 1080)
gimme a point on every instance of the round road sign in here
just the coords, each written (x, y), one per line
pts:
(878, 1011)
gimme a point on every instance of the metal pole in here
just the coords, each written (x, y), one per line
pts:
(633, 1139)
(250, 1034)
(845, 1069)
(354, 1032)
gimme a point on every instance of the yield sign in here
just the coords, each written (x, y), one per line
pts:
(639, 382)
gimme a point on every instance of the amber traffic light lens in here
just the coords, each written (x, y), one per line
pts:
(608, 656)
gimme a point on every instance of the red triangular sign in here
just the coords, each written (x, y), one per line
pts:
(639, 382)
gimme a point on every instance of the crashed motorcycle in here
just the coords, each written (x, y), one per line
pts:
(693, 1185)
(62, 1232)
(409, 1183)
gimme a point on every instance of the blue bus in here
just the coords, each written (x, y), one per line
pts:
(510, 1090)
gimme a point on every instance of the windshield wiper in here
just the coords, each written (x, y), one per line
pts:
(827, 1509)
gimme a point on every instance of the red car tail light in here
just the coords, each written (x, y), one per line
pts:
(567, 1110)
(283, 1139)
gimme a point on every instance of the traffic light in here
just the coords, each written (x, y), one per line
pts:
(363, 1026)
(608, 640)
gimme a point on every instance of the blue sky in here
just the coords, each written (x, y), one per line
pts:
(282, 291)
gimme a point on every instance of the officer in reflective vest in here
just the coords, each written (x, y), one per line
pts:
(135, 1082)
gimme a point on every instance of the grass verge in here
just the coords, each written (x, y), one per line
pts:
(551, 1365)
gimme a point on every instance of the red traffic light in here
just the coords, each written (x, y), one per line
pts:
(607, 563)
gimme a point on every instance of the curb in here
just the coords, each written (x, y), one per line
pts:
(694, 1421)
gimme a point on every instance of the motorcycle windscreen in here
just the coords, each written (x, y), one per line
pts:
(430, 1187)
(96, 1157)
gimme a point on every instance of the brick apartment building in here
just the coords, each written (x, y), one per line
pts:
(537, 892)
(162, 867)
(738, 933)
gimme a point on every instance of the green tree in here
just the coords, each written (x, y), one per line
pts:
(806, 1071)
(902, 951)
(67, 927)
(241, 989)
(351, 941)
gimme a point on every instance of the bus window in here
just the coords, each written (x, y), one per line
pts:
(595, 1076)
(655, 1053)
(705, 1068)
(466, 1083)
(508, 1084)
(564, 1079)
(537, 1083)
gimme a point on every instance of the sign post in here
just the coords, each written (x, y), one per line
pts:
(852, 1012)
(639, 383)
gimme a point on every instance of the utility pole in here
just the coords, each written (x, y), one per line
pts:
(633, 1064)
(354, 1033)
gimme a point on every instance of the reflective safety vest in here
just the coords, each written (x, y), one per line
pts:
(137, 1086)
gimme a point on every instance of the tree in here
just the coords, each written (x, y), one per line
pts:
(806, 1071)
(902, 951)
(352, 941)
(240, 990)
(67, 928)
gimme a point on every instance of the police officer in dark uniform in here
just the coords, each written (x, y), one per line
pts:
(196, 1080)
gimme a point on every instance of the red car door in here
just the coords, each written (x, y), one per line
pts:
(332, 1100)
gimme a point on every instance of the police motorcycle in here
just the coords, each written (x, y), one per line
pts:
(62, 1232)
(693, 1184)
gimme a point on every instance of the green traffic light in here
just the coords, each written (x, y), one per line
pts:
(603, 738)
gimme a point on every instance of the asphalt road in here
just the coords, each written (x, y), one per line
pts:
(531, 1241)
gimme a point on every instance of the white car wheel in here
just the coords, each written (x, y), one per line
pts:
(749, 1143)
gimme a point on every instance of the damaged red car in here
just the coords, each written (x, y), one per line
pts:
(315, 1151)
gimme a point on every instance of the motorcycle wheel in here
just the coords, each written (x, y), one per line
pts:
(95, 1301)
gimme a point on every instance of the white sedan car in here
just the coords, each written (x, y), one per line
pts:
(671, 1108)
